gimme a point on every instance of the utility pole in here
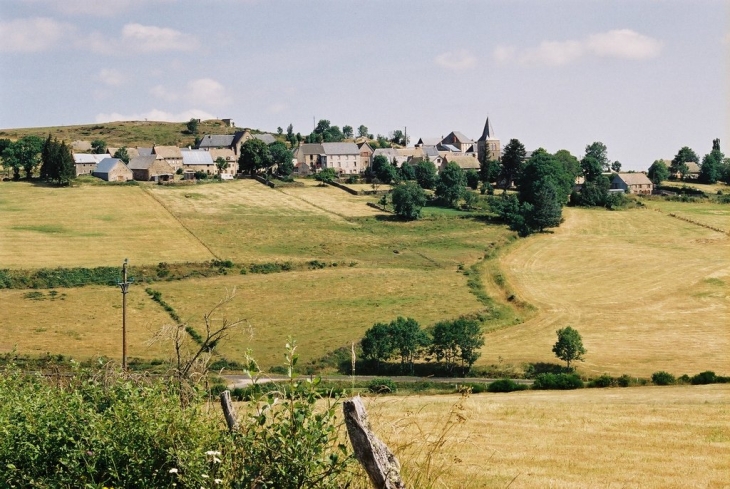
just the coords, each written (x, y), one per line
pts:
(124, 285)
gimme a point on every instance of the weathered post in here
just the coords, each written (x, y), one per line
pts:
(375, 457)
(124, 285)
(228, 411)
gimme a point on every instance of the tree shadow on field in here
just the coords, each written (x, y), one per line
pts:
(389, 218)
(536, 368)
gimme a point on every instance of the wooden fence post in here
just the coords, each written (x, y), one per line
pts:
(375, 457)
(228, 411)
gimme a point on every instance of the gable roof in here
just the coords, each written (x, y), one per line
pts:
(450, 147)
(225, 153)
(360, 146)
(340, 149)
(428, 141)
(311, 149)
(267, 138)
(634, 178)
(461, 138)
(387, 152)
(107, 164)
(218, 140)
(196, 157)
(430, 151)
(488, 132)
(89, 158)
(693, 167)
(167, 151)
(142, 162)
(464, 162)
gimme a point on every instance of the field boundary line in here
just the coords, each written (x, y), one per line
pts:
(691, 221)
(162, 204)
(323, 209)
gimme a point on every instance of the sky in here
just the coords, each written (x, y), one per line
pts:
(645, 77)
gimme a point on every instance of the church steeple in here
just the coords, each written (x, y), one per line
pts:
(488, 132)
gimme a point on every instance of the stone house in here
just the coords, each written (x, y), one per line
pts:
(311, 154)
(633, 183)
(466, 163)
(198, 160)
(171, 154)
(342, 157)
(86, 162)
(149, 168)
(366, 154)
(113, 170)
(228, 155)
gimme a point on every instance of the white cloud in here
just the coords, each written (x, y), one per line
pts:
(202, 92)
(138, 38)
(618, 44)
(206, 91)
(32, 35)
(156, 115)
(94, 7)
(111, 77)
(456, 60)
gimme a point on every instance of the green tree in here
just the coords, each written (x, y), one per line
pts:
(221, 164)
(362, 131)
(591, 167)
(570, 163)
(451, 184)
(658, 172)
(399, 138)
(512, 162)
(569, 346)
(282, 157)
(326, 175)
(679, 163)
(488, 169)
(122, 154)
(47, 170)
(23, 154)
(408, 200)
(547, 210)
(377, 344)
(383, 170)
(98, 146)
(409, 341)
(348, 132)
(712, 167)
(66, 166)
(192, 126)
(255, 156)
(457, 341)
(57, 162)
(599, 151)
(290, 136)
(426, 175)
(279, 131)
(542, 168)
(472, 179)
(616, 166)
(383, 141)
(407, 172)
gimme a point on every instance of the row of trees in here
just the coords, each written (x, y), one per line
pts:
(454, 343)
(27, 153)
(256, 156)
(713, 168)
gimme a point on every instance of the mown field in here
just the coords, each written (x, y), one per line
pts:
(647, 291)
(643, 437)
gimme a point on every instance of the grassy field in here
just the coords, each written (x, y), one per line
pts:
(647, 292)
(81, 322)
(132, 133)
(708, 213)
(88, 226)
(322, 309)
(644, 437)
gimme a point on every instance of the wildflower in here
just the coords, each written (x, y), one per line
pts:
(218, 481)
(204, 476)
(173, 470)
(212, 453)
(216, 460)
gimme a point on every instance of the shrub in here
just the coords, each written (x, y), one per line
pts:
(662, 378)
(382, 386)
(505, 385)
(604, 380)
(557, 382)
(707, 377)
(476, 388)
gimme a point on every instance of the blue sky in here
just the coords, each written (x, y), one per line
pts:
(644, 77)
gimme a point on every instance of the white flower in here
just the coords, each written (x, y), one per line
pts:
(212, 453)
(173, 471)
(204, 476)
(216, 460)
(218, 481)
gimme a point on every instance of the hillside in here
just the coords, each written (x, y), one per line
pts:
(130, 133)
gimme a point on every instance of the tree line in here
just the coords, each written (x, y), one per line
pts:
(714, 167)
(27, 154)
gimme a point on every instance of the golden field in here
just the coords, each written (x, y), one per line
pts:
(639, 437)
(647, 292)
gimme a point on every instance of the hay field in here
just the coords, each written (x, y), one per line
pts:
(81, 322)
(88, 226)
(322, 309)
(647, 292)
(643, 437)
(708, 213)
(246, 221)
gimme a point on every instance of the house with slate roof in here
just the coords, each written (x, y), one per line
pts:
(457, 142)
(113, 170)
(149, 168)
(311, 154)
(633, 183)
(198, 160)
(86, 162)
(342, 157)
(230, 158)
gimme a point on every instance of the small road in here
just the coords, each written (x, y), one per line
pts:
(235, 381)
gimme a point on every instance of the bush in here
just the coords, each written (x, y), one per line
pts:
(557, 382)
(604, 380)
(505, 385)
(707, 377)
(382, 386)
(663, 378)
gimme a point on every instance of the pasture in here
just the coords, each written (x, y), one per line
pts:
(88, 226)
(643, 437)
(647, 292)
